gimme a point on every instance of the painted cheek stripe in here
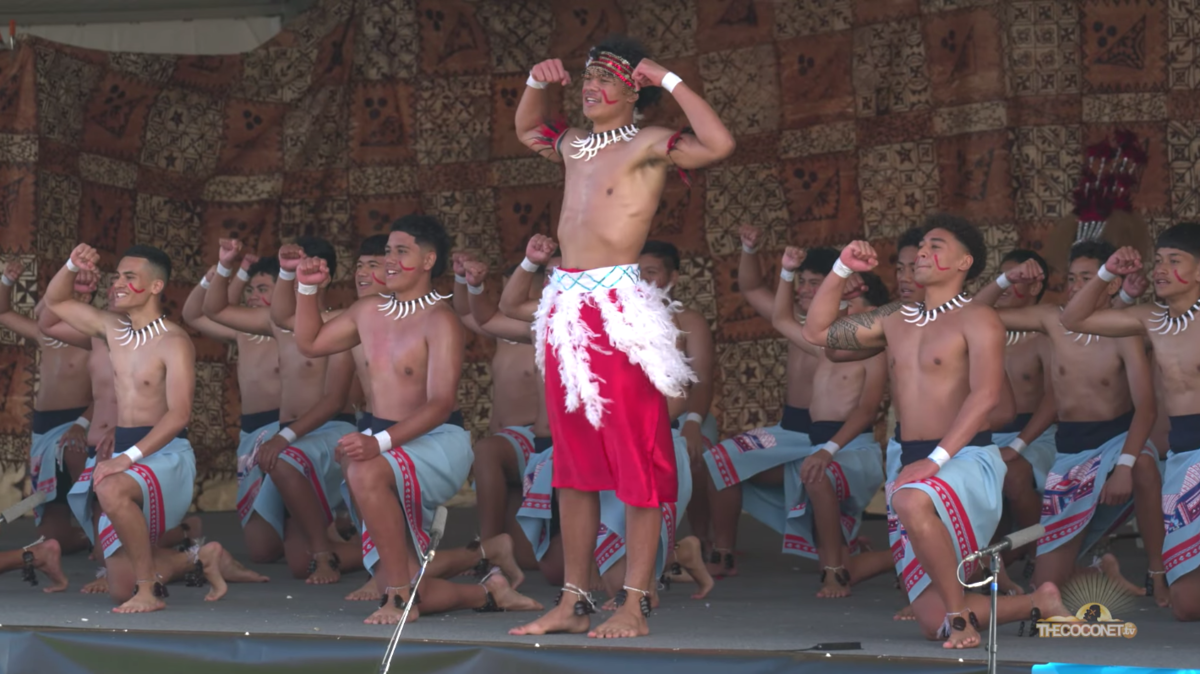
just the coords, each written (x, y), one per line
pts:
(134, 289)
(1177, 278)
(377, 279)
(403, 268)
(604, 95)
(938, 263)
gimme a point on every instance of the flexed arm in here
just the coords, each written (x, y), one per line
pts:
(709, 142)
(60, 294)
(1081, 315)
(315, 337)
(216, 300)
(485, 313)
(860, 331)
(514, 301)
(533, 112)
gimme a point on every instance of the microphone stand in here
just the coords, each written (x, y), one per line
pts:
(991, 659)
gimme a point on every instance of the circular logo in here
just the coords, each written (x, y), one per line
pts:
(1129, 630)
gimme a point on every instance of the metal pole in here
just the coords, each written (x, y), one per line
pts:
(991, 662)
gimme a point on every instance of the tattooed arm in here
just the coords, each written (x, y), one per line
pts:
(854, 333)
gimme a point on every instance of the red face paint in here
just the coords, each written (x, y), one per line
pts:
(134, 289)
(265, 301)
(918, 285)
(377, 279)
(937, 263)
(403, 268)
(1018, 294)
(604, 95)
(1177, 277)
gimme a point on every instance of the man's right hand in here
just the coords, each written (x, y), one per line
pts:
(13, 269)
(85, 257)
(312, 271)
(1125, 261)
(249, 261)
(104, 448)
(750, 235)
(230, 253)
(458, 260)
(290, 256)
(1026, 272)
(540, 249)
(859, 256)
(793, 257)
(551, 71)
(475, 272)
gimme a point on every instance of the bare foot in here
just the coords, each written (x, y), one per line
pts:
(967, 638)
(233, 571)
(98, 586)
(720, 563)
(47, 558)
(1162, 593)
(390, 613)
(625, 623)
(1110, 567)
(210, 557)
(1049, 602)
(324, 573)
(499, 551)
(368, 592)
(560, 619)
(687, 553)
(831, 587)
(905, 614)
(143, 601)
(507, 597)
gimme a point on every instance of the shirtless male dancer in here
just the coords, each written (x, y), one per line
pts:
(608, 369)
(947, 365)
(1176, 277)
(403, 470)
(302, 484)
(61, 414)
(258, 384)
(146, 488)
(1104, 392)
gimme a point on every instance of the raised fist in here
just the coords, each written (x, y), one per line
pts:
(290, 256)
(248, 261)
(859, 256)
(1125, 261)
(540, 249)
(85, 257)
(551, 71)
(86, 281)
(750, 236)
(230, 253)
(793, 257)
(1135, 285)
(648, 74)
(458, 260)
(475, 272)
(13, 269)
(311, 270)
(1026, 272)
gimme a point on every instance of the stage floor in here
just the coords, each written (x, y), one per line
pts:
(769, 607)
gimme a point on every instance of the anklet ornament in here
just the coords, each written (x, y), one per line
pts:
(958, 624)
(27, 571)
(840, 574)
(1150, 574)
(643, 603)
(584, 605)
(194, 577)
(1035, 614)
(334, 561)
(726, 560)
(159, 590)
(396, 600)
(489, 605)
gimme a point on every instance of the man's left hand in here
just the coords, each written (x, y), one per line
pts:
(74, 439)
(269, 451)
(1118, 486)
(649, 74)
(358, 447)
(915, 472)
(118, 464)
(814, 466)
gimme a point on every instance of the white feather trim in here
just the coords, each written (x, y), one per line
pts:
(637, 318)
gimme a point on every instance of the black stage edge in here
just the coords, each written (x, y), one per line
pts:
(51, 651)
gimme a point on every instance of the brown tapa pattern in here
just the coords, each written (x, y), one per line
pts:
(854, 118)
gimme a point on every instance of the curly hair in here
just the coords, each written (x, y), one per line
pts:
(632, 51)
(966, 234)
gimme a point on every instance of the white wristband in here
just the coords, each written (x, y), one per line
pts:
(83, 423)
(529, 266)
(385, 440)
(459, 279)
(285, 275)
(475, 290)
(1105, 275)
(243, 275)
(694, 416)
(306, 289)
(1018, 445)
(224, 271)
(841, 269)
(133, 453)
(1126, 298)
(74, 268)
(831, 447)
(939, 456)
(1126, 460)
(748, 250)
(787, 275)
(1003, 282)
(287, 434)
(670, 81)
(205, 283)
(6, 280)
(534, 83)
